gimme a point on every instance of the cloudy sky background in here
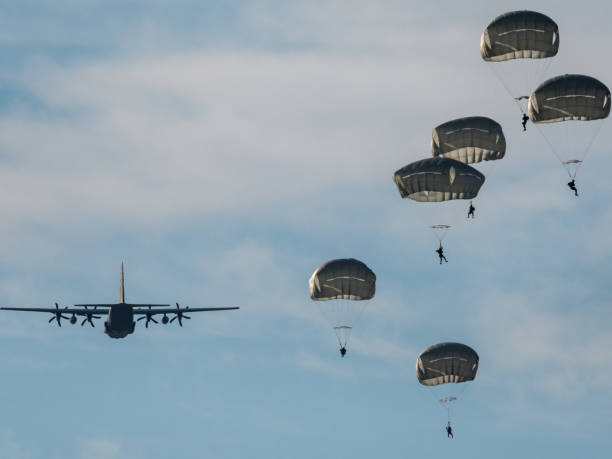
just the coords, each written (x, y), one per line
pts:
(224, 151)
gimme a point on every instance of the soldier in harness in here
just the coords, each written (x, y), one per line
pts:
(471, 210)
(440, 252)
(524, 122)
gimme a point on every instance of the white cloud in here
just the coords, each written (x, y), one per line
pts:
(560, 350)
(144, 136)
(95, 448)
(315, 364)
(384, 349)
(10, 449)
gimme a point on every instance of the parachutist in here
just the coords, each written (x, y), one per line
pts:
(471, 210)
(449, 431)
(524, 122)
(572, 185)
(342, 351)
(455, 361)
(440, 253)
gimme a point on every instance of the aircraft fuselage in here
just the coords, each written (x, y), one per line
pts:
(120, 321)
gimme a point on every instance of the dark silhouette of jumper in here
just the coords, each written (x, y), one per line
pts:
(440, 252)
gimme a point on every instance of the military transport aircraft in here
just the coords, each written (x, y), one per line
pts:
(120, 321)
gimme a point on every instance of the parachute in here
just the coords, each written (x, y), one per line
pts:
(520, 35)
(561, 105)
(447, 363)
(342, 279)
(438, 180)
(469, 140)
(569, 98)
(518, 45)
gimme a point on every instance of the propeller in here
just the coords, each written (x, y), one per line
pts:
(89, 316)
(149, 317)
(180, 315)
(57, 315)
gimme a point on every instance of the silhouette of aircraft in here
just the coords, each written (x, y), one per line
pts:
(120, 317)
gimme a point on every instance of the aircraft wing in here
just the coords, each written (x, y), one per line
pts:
(144, 305)
(152, 312)
(65, 310)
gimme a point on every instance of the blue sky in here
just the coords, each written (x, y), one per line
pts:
(224, 151)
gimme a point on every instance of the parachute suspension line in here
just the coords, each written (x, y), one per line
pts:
(459, 394)
(440, 231)
(436, 399)
(544, 69)
(440, 236)
(462, 390)
(586, 151)
(590, 144)
(530, 79)
(343, 334)
(573, 165)
(342, 316)
(540, 75)
(446, 403)
(588, 147)
(501, 80)
(554, 150)
(359, 314)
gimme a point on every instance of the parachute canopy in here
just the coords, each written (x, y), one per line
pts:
(520, 35)
(345, 278)
(438, 179)
(446, 363)
(469, 140)
(569, 98)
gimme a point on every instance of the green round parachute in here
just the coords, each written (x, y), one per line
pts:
(518, 46)
(446, 363)
(520, 35)
(559, 108)
(346, 279)
(341, 280)
(569, 98)
(438, 179)
(469, 140)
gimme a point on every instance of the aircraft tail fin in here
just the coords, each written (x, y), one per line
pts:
(121, 287)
